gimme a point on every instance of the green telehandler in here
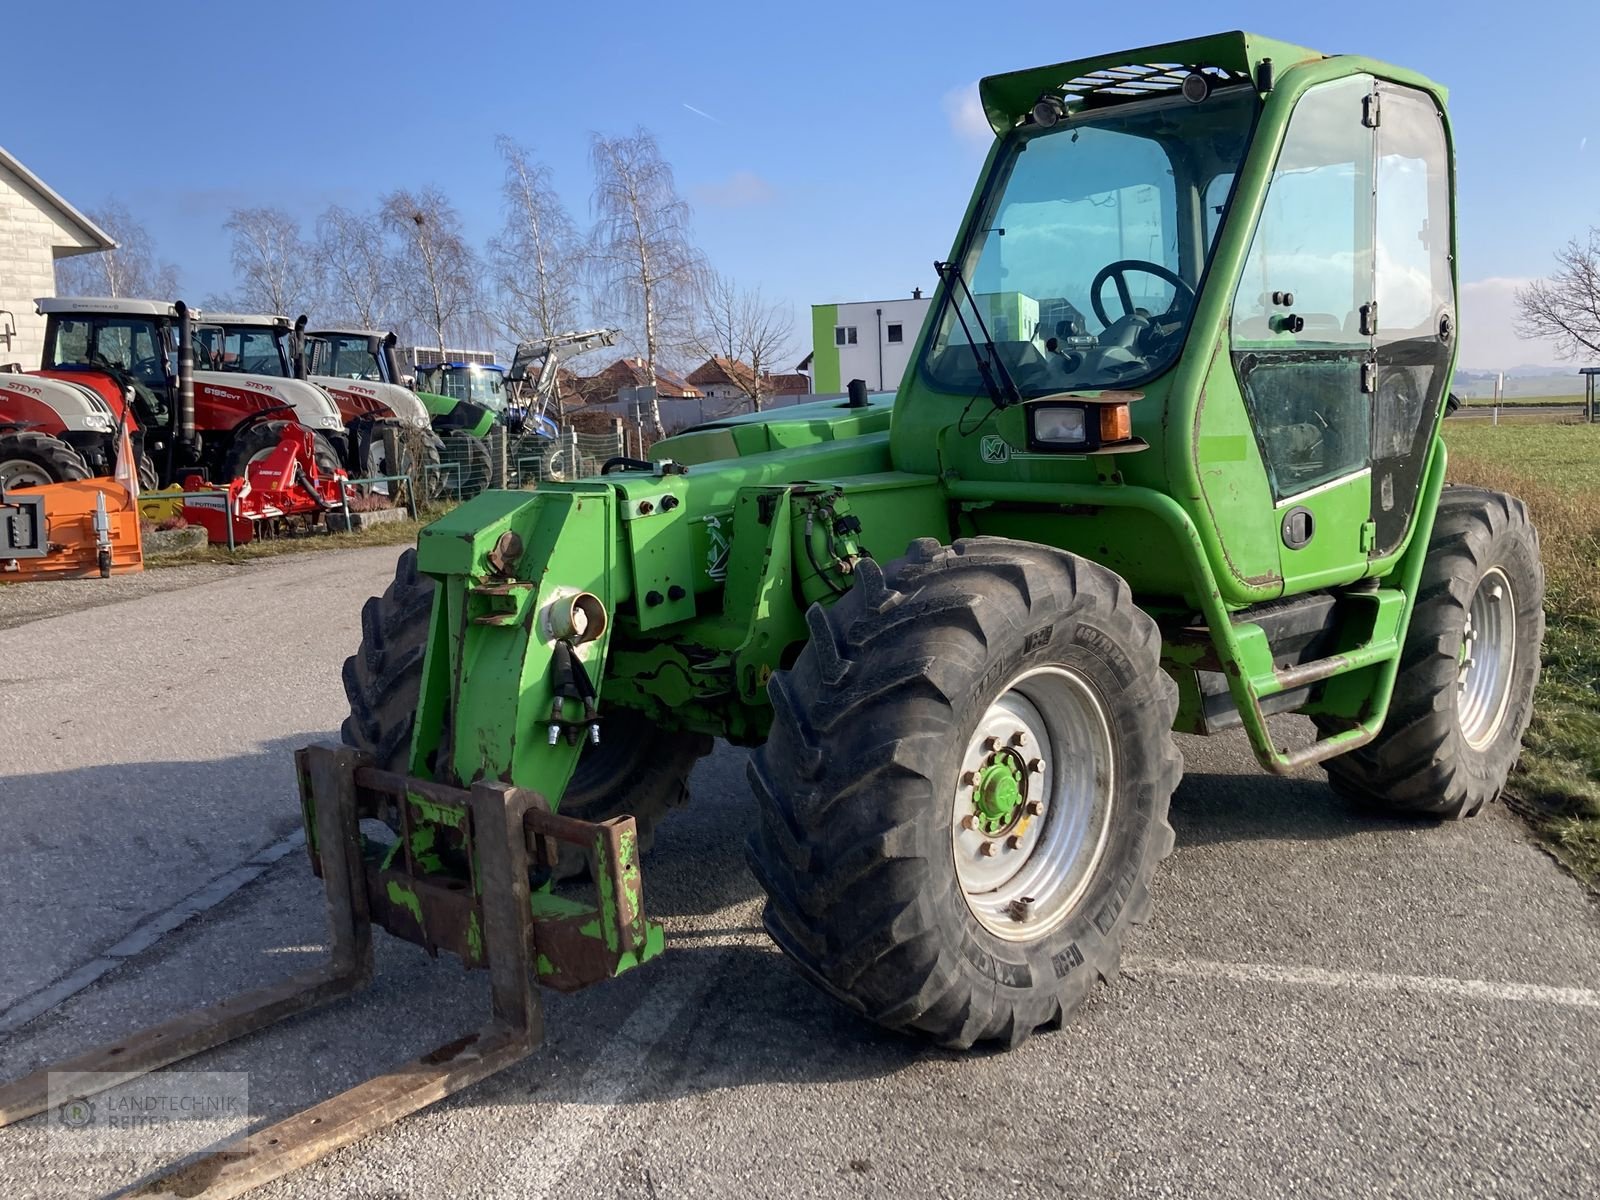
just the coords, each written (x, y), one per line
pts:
(1167, 458)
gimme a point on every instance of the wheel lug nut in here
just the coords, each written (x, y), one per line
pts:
(969, 779)
(969, 822)
(1014, 842)
(1036, 766)
(1018, 909)
(987, 850)
(1034, 808)
(991, 744)
(1019, 738)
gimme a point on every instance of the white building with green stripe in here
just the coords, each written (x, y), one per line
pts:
(864, 339)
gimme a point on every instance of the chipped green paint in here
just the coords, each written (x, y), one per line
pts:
(422, 843)
(607, 887)
(591, 929)
(406, 898)
(390, 855)
(438, 814)
(544, 966)
(475, 937)
(655, 941)
(547, 906)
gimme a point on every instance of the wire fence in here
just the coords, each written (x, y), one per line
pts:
(459, 465)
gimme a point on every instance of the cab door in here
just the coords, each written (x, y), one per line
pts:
(1301, 348)
(1413, 318)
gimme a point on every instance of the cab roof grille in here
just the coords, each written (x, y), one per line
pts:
(1140, 79)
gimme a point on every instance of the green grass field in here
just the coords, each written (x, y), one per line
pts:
(1556, 469)
(1520, 401)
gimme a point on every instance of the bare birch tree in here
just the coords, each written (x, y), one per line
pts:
(275, 271)
(646, 267)
(536, 258)
(751, 335)
(358, 268)
(1565, 308)
(438, 273)
(129, 270)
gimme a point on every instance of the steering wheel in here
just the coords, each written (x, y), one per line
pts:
(1119, 272)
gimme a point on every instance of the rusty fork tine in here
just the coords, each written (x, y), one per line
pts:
(329, 772)
(514, 1032)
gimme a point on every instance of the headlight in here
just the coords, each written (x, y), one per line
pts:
(1083, 425)
(99, 421)
(1062, 426)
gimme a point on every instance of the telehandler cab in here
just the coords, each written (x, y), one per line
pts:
(1167, 458)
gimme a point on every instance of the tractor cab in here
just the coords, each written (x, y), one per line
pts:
(248, 345)
(362, 354)
(480, 383)
(1221, 270)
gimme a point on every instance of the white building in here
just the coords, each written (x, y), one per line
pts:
(864, 339)
(36, 227)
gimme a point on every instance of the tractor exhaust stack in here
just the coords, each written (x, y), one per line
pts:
(185, 375)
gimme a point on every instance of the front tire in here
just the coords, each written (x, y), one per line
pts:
(893, 761)
(1464, 694)
(638, 769)
(30, 459)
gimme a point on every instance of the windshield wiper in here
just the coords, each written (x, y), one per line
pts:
(988, 359)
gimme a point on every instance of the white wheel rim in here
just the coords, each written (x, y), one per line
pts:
(1488, 659)
(22, 472)
(1023, 872)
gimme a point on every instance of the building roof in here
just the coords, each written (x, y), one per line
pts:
(633, 372)
(719, 370)
(69, 216)
(790, 384)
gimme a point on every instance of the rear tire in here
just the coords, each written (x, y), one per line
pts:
(31, 459)
(638, 769)
(876, 880)
(1454, 730)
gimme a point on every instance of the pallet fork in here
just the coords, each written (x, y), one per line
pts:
(509, 830)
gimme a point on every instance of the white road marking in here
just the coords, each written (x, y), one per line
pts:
(542, 1166)
(1372, 981)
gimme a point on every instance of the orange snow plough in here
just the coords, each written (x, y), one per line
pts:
(72, 530)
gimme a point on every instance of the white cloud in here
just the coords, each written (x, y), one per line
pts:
(740, 190)
(1488, 335)
(964, 110)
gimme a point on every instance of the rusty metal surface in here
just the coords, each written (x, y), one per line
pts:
(514, 1031)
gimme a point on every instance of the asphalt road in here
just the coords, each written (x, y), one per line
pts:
(1323, 1004)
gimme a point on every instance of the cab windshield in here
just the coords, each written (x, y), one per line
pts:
(1085, 258)
(480, 385)
(347, 356)
(246, 350)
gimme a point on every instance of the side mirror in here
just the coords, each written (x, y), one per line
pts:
(1451, 403)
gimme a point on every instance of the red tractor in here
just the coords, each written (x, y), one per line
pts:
(110, 364)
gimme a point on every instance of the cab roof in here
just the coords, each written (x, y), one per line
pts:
(218, 318)
(106, 304)
(1133, 74)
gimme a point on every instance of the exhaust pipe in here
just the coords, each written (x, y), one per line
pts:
(297, 348)
(858, 394)
(185, 374)
(391, 361)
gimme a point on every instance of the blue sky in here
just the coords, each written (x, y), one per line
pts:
(831, 161)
